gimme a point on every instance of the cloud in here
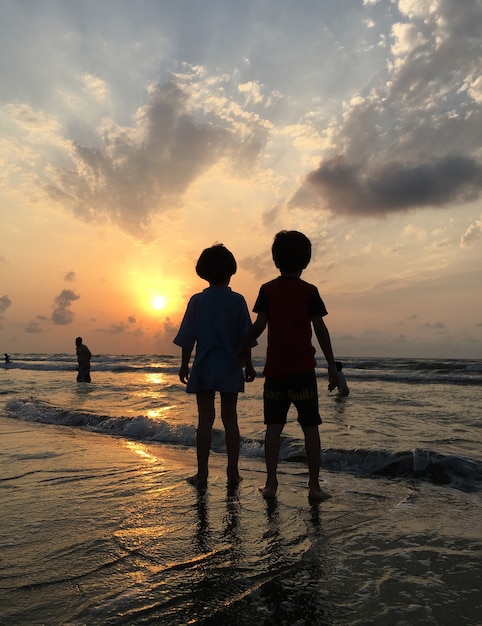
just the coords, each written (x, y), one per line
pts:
(472, 235)
(117, 329)
(355, 190)
(258, 265)
(33, 328)
(435, 326)
(170, 329)
(69, 276)
(5, 302)
(121, 328)
(96, 86)
(413, 140)
(62, 313)
(142, 170)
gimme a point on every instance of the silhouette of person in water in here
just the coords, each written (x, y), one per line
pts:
(83, 359)
(343, 389)
(7, 358)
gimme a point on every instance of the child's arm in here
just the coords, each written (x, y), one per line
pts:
(184, 369)
(249, 371)
(323, 336)
(244, 352)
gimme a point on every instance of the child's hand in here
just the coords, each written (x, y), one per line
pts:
(332, 377)
(184, 374)
(249, 373)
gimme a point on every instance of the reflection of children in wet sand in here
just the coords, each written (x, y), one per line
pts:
(343, 389)
(291, 307)
(216, 321)
(83, 359)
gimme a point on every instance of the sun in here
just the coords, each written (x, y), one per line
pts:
(159, 299)
(158, 302)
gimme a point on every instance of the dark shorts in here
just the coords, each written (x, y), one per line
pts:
(298, 389)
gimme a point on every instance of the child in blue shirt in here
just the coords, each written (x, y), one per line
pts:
(216, 320)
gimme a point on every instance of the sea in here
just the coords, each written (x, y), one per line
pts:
(100, 527)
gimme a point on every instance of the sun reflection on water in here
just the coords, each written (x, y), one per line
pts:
(155, 378)
(161, 412)
(141, 450)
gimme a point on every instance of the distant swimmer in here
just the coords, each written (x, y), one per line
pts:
(83, 358)
(7, 358)
(342, 386)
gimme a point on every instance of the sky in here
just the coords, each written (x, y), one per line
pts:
(136, 133)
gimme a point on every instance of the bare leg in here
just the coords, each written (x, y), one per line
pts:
(230, 422)
(313, 452)
(272, 441)
(206, 415)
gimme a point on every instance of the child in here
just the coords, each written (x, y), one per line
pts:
(289, 307)
(216, 320)
(343, 389)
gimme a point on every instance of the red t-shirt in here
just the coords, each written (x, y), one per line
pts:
(289, 304)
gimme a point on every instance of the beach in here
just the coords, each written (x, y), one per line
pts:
(101, 527)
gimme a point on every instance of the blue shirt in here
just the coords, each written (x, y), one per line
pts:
(216, 322)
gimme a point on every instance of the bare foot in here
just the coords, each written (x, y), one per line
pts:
(196, 482)
(234, 481)
(317, 494)
(269, 491)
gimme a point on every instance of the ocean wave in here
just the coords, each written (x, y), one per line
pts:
(440, 469)
(407, 371)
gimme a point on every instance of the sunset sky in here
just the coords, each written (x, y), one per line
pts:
(135, 133)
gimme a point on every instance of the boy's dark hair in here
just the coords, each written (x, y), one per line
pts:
(291, 251)
(339, 365)
(216, 264)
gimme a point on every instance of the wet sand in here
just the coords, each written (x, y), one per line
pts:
(104, 530)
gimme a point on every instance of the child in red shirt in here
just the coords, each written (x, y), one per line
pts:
(290, 308)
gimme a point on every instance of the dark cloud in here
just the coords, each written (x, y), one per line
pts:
(5, 302)
(143, 170)
(69, 276)
(62, 313)
(354, 190)
(413, 141)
